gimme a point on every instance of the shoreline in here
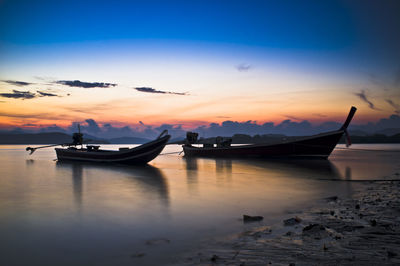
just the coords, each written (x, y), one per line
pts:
(361, 230)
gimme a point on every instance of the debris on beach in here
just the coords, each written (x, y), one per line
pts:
(214, 258)
(339, 232)
(333, 198)
(292, 221)
(248, 218)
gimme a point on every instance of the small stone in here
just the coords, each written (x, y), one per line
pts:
(248, 218)
(332, 213)
(357, 206)
(214, 258)
(289, 233)
(333, 198)
(313, 227)
(292, 221)
(373, 222)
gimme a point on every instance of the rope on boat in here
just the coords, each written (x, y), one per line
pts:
(351, 149)
(360, 180)
(167, 153)
(340, 148)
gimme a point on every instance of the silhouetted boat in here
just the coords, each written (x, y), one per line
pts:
(138, 155)
(316, 146)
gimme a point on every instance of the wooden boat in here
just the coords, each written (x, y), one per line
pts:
(316, 146)
(138, 155)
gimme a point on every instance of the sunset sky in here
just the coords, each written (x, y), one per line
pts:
(196, 62)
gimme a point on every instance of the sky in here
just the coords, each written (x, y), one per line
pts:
(188, 64)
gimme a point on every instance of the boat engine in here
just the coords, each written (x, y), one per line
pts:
(77, 139)
(191, 137)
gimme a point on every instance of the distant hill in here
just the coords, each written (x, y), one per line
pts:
(128, 140)
(376, 138)
(389, 131)
(57, 137)
(357, 133)
(42, 138)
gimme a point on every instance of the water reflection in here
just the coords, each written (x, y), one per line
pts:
(275, 173)
(148, 178)
(316, 169)
(109, 211)
(192, 169)
(29, 161)
(223, 166)
(348, 173)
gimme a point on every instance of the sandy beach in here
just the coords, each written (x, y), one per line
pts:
(361, 230)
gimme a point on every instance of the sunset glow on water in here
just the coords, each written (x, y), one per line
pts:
(74, 213)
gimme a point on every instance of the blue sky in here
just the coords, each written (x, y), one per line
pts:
(339, 53)
(314, 25)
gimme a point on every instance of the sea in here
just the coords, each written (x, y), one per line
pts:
(59, 213)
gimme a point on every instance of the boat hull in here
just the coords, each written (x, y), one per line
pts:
(318, 146)
(138, 155)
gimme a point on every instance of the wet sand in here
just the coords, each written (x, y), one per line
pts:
(361, 230)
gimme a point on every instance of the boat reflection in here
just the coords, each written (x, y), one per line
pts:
(229, 171)
(192, 169)
(147, 178)
(316, 169)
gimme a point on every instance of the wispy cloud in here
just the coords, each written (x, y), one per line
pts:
(82, 84)
(16, 94)
(151, 90)
(363, 96)
(293, 117)
(17, 83)
(319, 115)
(44, 94)
(243, 67)
(394, 105)
(37, 116)
(19, 95)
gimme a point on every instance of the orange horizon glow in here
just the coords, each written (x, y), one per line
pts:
(29, 118)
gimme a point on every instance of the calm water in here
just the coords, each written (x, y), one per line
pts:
(54, 213)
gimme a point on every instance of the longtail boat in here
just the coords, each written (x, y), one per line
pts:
(91, 153)
(316, 146)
